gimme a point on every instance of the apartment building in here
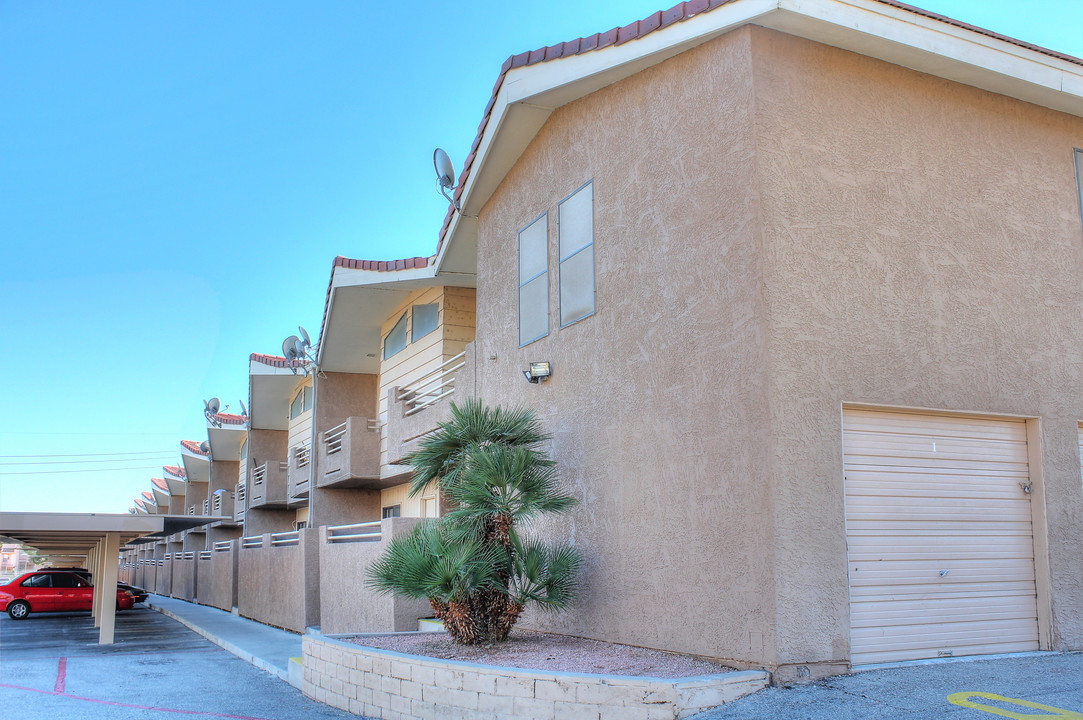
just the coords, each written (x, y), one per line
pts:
(809, 279)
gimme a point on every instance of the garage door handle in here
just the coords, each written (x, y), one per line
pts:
(944, 573)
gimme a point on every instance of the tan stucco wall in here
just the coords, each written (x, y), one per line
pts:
(216, 582)
(782, 228)
(922, 248)
(266, 446)
(347, 605)
(183, 585)
(657, 402)
(280, 585)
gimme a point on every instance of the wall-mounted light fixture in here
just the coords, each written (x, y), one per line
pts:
(538, 372)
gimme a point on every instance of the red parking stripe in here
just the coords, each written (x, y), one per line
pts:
(61, 675)
(136, 707)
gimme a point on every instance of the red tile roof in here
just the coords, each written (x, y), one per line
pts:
(175, 471)
(381, 265)
(160, 484)
(148, 495)
(657, 21)
(193, 447)
(230, 419)
(272, 360)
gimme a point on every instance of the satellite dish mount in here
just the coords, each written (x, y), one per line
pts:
(298, 352)
(445, 175)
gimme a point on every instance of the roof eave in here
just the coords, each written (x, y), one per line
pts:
(528, 95)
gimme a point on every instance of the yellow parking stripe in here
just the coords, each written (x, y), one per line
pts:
(963, 700)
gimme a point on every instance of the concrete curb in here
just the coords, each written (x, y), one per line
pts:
(248, 657)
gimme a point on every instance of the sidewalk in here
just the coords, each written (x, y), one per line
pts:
(268, 648)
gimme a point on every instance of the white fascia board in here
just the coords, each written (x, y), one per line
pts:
(255, 367)
(529, 94)
(187, 456)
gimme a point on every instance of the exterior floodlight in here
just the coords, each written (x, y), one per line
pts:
(538, 372)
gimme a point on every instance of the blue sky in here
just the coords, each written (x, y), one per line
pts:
(176, 178)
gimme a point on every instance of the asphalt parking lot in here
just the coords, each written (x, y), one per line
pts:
(1045, 685)
(52, 667)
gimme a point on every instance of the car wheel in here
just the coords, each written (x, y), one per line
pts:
(18, 610)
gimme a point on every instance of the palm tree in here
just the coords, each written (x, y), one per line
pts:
(476, 569)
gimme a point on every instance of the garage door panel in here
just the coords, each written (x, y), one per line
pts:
(880, 612)
(926, 494)
(924, 424)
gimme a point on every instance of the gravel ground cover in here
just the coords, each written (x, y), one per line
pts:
(545, 651)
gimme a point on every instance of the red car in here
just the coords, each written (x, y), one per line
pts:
(52, 591)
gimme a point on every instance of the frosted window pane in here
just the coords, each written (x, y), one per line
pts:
(577, 286)
(576, 222)
(533, 246)
(426, 318)
(534, 309)
(396, 339)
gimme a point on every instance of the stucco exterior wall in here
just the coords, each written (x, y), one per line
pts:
(657, 402)
(279, 585)
(347, 604)
(922, 248)
(782, 228)
(216, 583)
(265, 446)
(183, 585)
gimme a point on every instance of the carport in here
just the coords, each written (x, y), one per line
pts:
(98, 537)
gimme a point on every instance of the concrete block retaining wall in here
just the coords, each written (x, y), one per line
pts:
(394, 686)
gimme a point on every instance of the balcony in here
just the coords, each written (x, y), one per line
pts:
(350, 454)
(300, 470)
(222, 506)
(240, 502)
(269, 485)
(416, 409)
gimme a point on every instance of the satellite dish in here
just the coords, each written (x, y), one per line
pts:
(445, 171)
(244, 410)
(289, 347)
(304, 335)
(205, 446)
(212, 406)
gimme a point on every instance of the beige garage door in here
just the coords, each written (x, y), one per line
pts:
(939, 538)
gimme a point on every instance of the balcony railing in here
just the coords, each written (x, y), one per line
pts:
(252, 541)
(205, 554)
(239, 504)
(432, 387)
(300, 470)
(189, 555)
(217, 504)
(269, 482)
(206, 507)
(361, 532)
(350, 453)
(286, 538)
(223, 546)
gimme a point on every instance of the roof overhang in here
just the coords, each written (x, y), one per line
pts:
(197, 468)
(225, 441)
(528, 95)
(359, 302)
(269, 391)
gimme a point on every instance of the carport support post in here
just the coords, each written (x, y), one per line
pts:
(92, 566)
(108, 558)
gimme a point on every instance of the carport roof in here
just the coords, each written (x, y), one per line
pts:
(78, 533)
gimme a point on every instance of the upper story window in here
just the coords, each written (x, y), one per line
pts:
(302, 402)
(391, 511)
(426, 318)
(534, 281)
(575, 230)
(244, 448)
(396, 339)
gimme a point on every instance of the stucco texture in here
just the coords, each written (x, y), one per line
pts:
(921, 249)
(348, 605)
(657, 402)
(782, 228)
